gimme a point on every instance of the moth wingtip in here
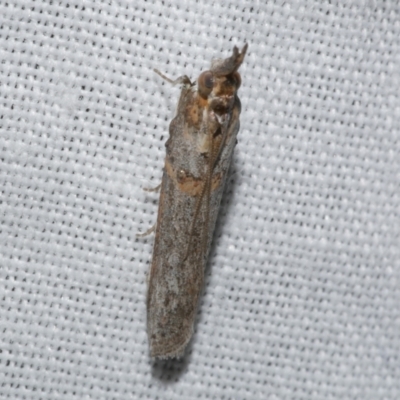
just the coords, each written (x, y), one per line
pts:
(160, 355)
(166, 351)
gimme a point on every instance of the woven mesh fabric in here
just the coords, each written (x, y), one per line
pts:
(302, 297)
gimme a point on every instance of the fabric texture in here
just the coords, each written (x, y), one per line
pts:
(302, 297)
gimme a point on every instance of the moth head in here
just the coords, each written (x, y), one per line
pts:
(221, 85)
(222, 79)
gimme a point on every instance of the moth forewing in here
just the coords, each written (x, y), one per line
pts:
(198, 154)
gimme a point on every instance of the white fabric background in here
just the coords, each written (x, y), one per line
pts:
(302, 298)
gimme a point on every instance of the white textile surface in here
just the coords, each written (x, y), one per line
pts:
(302, 294)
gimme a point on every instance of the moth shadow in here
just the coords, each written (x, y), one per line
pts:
(170, 371)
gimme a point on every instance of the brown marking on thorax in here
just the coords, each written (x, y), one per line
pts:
(189, 184)
(194, 111)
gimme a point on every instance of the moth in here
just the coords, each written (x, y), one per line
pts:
(199, 149)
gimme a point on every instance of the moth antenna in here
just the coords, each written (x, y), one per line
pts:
(214, 154)
(195, 215)
(182, 80)
(207, 183)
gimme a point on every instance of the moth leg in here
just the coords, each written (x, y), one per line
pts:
(182, 80)
(148, 232)
(155, 189)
